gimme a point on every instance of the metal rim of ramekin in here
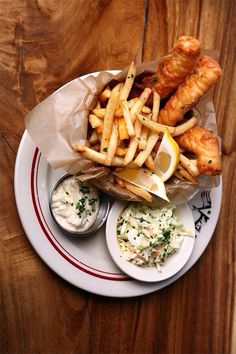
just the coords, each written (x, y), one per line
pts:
(102, 197)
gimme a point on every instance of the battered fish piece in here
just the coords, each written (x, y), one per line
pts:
(203, 76)
(205, 145)
(173, 70)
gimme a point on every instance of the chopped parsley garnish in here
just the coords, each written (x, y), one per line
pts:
(104, 149)
(91, 201)
(182, 107)
(80, 206)
(84, 189)
(166, 235)
(67, 193)
(209, 161)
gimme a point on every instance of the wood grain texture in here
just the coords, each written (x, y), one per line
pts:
(44, 44)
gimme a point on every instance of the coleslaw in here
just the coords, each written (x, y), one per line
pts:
(148, 235)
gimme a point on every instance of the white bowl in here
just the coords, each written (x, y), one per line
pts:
(173, 263)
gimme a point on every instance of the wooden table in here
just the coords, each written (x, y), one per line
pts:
(45, 44)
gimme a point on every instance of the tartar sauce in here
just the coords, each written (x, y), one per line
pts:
(75, 204)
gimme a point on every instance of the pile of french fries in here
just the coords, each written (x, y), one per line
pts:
(126, 133)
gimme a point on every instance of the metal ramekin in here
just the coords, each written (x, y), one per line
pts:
(104, 207)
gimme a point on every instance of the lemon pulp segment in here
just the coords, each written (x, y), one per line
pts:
(145, 179)
(167, 157)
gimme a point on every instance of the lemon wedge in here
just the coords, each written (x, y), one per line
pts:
(167, 157)
(145, 179)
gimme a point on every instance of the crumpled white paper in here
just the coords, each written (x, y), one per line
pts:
(61, 120)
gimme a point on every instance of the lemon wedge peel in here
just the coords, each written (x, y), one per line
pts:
(167, 157)
(145, 179)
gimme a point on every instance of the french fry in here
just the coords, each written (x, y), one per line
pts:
(149, 162)
(117, 161)
(189, 165)
(137, 108)
(120, 182)
(94, 138)
(143, 155)
(160, 128)
(109, 116)
(146, 110)
(143, 138)
(156, 106)
(112, 145)
(134, 141)
(137, 128)
(90, 153)
(128, 82)
(121, 152)
(179, 176)
(131, 150)
(105, 95)
(128, 121)
(138, 191)
(97, 156)
(119, 111)
(192, 160)
(132, 102)
(182, 128)
(95, 121)
(123, 133)
(100, 112)
(183, 172)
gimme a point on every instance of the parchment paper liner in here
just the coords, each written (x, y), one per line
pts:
(60, 121)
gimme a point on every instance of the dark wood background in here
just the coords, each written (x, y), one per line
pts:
(44, 44)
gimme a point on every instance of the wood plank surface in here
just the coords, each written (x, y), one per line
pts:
(44, 44)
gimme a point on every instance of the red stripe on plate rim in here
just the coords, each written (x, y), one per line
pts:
(51, 238)
(51, 233)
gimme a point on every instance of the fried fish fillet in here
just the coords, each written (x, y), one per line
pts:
(173, 70)
(203, 76)
(205, 145)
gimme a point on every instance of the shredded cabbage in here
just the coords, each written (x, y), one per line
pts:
(148, 235)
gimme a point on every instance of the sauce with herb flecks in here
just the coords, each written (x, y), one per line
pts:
(75, 204)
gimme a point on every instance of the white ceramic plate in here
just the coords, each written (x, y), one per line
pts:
(86, 263)
(173, 263)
